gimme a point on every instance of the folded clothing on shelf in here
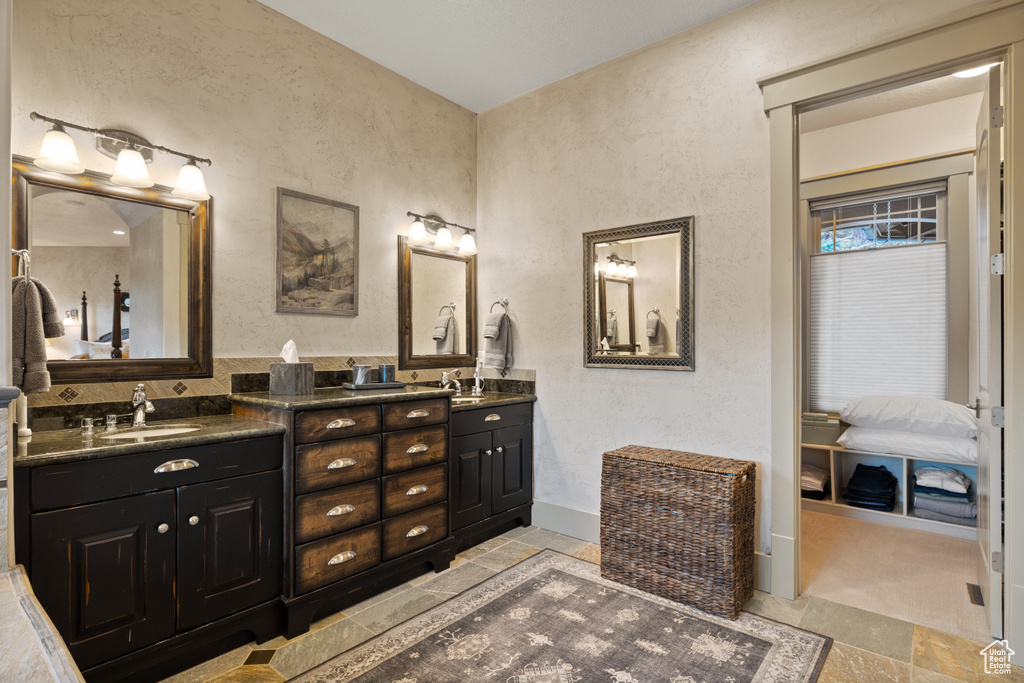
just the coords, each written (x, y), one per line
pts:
(944, 478)
(953, 509)
(871, 487)
(813, 478)
(939, 517)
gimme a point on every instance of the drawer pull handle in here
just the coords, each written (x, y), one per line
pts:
(176, 466)
(418, 448)
(340, 510)
(493, 417)
(419, 412)
(342, 557)
(417, 531)
(341, 463)
(341, 422)
(417, 490)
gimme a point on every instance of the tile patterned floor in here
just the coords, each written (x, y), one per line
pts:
(868, 647)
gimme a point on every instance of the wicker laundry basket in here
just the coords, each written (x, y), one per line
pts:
(679, 525)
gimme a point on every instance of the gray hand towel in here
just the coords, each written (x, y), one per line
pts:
(652, 327)
(448, 344)
(612, 329)
(498, 350)
(28, 347)
(492, 327)
(441, 327)
(657, 344)
(53, 324)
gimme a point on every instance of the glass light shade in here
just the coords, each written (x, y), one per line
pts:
(467, 245)
(131, 170)
(631, 270)
(418, 233)
(191, 184)
(612, 268)
(444, 238)
(58, 153)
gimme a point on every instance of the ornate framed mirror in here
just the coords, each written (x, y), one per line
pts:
(436, 308)
(84, 233)
(644, 273)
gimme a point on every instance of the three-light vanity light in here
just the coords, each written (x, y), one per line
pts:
(423, 227)
(58, 153)
(618, 267)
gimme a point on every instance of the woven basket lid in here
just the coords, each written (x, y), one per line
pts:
(693, 461)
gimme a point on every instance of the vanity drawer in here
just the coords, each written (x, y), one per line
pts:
(414, 489)
(414, 448)
(336, 423)
(351, 552)
(323, 465)
(415, 414)
(415, 530)
(335, 510)
(486, 419)
(61, 486)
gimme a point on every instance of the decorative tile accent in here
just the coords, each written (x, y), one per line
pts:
(68, 395)
(179, 388)
(504, 372)
(350, 362)
(415, 375)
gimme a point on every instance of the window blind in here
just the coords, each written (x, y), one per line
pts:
(877, 324)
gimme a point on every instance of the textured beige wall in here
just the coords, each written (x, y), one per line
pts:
(673, 129)
(272, 103)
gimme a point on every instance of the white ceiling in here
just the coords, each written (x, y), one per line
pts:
(480, 53)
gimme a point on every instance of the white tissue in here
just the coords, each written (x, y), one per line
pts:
(289, 353)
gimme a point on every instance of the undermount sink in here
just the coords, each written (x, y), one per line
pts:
(457, 400)
(150, 432)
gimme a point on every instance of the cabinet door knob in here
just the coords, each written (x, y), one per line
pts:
(500, 449)
(417, 531)
(341, 463)
(340, 510)
(487, 452)
(493, 417)
(416, 490)
(419, 412)
(193, 520)
(176, 466)
(162, 529)
(342, 557)
(341, 422)
(418, 448)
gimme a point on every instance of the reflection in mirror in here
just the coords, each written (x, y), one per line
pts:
(85, 234)
(81, 242)
(644, 274)
(436, 307)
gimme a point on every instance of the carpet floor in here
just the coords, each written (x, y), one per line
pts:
(907, 574)
(553, 619)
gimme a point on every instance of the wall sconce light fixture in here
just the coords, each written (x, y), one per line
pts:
(58, 153)
(71, 316)
(620, 267)
(423, 226)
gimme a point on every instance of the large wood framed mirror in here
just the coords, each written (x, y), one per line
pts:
(644, 273)
(436, 308)
(82, 233)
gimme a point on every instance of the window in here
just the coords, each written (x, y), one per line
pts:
(878, 316)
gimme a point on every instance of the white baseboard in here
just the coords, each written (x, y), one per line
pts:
(587, 526)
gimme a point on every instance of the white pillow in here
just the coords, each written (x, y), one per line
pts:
(93, 349)
(911, 414)
(921, 446)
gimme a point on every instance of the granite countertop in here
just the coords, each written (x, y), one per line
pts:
(492, 399)
(336, 397)
(68, 445)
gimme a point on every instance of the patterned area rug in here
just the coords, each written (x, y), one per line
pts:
(553, 619)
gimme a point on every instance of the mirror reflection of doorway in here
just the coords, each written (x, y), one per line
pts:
(886, 178)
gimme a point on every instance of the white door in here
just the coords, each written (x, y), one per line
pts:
(990, 386)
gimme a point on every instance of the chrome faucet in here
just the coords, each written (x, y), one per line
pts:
(447, 380)
(140, 406)
(478, 381)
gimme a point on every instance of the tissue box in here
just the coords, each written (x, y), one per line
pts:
(291, 378)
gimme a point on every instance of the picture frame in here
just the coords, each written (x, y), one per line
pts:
(317, 255)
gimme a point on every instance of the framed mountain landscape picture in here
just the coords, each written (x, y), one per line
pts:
(317, 255)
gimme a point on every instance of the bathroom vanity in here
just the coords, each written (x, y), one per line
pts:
(146, 549)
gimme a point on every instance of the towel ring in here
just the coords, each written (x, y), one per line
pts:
(612, 312)
(451, 306)
(503, 301)
(654, 310)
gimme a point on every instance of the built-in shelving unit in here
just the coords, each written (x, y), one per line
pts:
(841, 462)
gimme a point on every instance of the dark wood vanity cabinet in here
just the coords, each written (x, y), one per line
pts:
(492, 471)
(169, 550)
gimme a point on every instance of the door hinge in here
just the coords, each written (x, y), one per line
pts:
(998, 416)
(997, 264)
(997, 117)
(997, 563)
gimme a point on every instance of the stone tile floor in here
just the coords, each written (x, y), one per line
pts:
(868, 647)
